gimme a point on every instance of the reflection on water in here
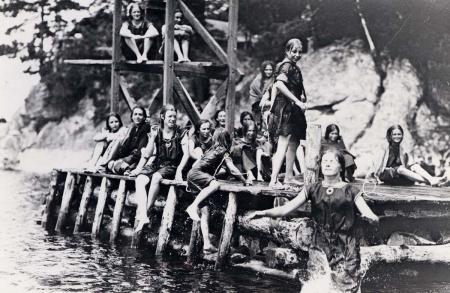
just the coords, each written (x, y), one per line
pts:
(33, 260)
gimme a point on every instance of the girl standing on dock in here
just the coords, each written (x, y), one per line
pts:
(287, 119)
(334, 139)
(169, 161)
(107, 142)
(259, 86)
(396, 167)
(137, 34)
(334, 208)
(129, 151)
(201, 177)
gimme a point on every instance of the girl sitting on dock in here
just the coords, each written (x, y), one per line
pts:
(107, 142)
(137, 34)
(129, 151)
(244, 119)
(287, 121)
(396, 167)
(169, 161)
(201, 140)
(335, 206)
(244, 150)
(201, 178)
(182, 35)
(334, 139)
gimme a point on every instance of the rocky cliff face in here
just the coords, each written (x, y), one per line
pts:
(342, 87)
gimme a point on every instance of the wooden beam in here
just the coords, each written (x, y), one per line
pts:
(232, 64)
(193, 242)
(201, 30)
(166, 222)
(115, 55)
(198, 69)
(69, 188)
(126, 94)
(210, 108)
(101, 201)
(168, 52)
(82, 210)
(186, 101)
(313, 144)
(118, 208)
(50, 198)
(227, 231)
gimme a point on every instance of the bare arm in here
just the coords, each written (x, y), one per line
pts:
(184, 159)
(365, 210)
(125, 31)
(151, 32)
(101, 136)
(282, 211)
(147, 152)
(234, 170)
(285, 91)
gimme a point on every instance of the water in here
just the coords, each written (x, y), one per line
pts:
(31, 260)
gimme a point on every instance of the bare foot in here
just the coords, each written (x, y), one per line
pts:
(193, 213)
(276, 185)
(139, 59)
(144, 59)
(292, 181)
(209, 249)
(141, 223)
(436, 181)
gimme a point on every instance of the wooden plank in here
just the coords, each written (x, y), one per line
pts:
(131, 102)
(186, 101)
(230, 102)
(193, 242)
(115, 55)
(168, 52)
(201, 30)
(69, 187)
(210, 108)
(82, 210)
(156, 95)
(313, 144)
(101, 200)
(166, 222)
(197, 69)
(227, 231)
(53, 190)
(118, 208)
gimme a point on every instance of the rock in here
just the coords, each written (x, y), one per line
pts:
(402, 238)
(280, 257)
(37, 104)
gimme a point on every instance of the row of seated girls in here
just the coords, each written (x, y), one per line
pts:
(139, 35)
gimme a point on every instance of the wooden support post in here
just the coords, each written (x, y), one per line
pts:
(186, 101)
(210, 108)
(201, 30)
(193, 242)
(101, 200)
(118, 208)
(50, 199)
(232, 64)
(69, 187)
(168, 52)
(115, 75)
(166, 221)
(82, 210)
(313, 143)
(227, 231)
(131, 102)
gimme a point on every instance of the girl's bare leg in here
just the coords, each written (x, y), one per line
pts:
(109, 154)
(300, 153)
(278, 158)
(141, 197)
(176, 47)
(96, 154)
(290, 160)
(424, 174)
(259, 153)
(131, 43)
(185, 49)
(147, 46)
(154, 189)
(192, 209)
(204, 226)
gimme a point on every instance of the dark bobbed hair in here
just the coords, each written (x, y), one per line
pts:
(162, 113)
(330, 128)
(390, 130)
(246, 113)
(130, 8)
(339, 156)
(222, 138)
(143, 110)
(113, 115)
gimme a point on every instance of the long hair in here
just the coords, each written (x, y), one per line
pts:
(222, 138)
(246, 127)
(244, 114)
(200, 123)
(162, 113)
(390, 130)
(117, 116)
(263, 75)
(130, 8)
(143, 111)
(330, 128)
(339, 156)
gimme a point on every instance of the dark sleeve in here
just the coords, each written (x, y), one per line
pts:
(142, 143)
(308, 190)
(284, 72)
(354, 191)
